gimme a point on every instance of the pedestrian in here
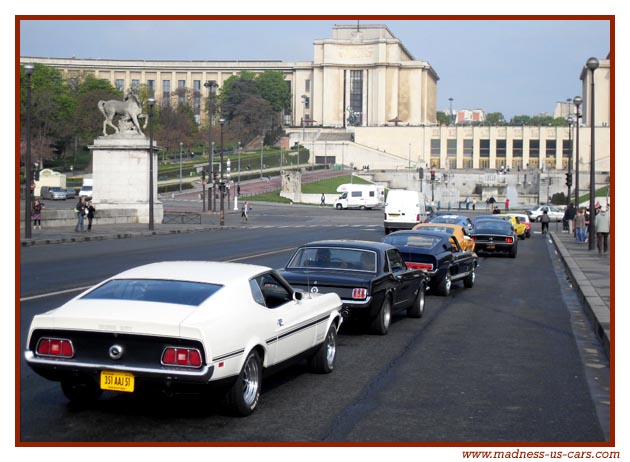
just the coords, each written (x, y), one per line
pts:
(602, 228)
(80, 211)
(569, 218)
(491, 202)
(544, 221)
(580, 226)
(322, 201)
(37, 214)
(496, 211)
(474, 203)
(467, 202)
(244, 211)
(507, 204)
(91, 211)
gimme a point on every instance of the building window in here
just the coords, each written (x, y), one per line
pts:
(356, 97)
(166, 93)
(468, 149)
(181, 92)
(517, 149)
(120, 84)
(501, 146)
(135, 84)
(484, 149)
(307, 85)
(436, 146)
(197, 97)
(550, 153)
(151, 85)
(534, 149)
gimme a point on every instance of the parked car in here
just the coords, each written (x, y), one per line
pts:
(183, 324)
(555, 213)
(86, 191)
(53, 193)
(371, 278)
(452, 219)
(461, 233)
(70, 193)
(439, 254)
(495, 235)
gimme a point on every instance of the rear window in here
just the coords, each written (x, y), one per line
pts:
(413, 240)
(334, 258)
(154, 290)
(492, 226)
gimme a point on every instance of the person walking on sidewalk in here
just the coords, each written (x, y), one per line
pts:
(80, 210)
(37, 214)
(602, 228)
(569, 217)
(580, 226)
(544, 221)
(91, 210)
(322, 202)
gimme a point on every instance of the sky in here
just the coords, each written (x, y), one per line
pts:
(516, 67)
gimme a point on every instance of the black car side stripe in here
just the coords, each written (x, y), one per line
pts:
(229, 355)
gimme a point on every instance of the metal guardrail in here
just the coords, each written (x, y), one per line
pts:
(184, 218)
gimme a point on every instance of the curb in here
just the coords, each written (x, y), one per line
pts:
(596, 309)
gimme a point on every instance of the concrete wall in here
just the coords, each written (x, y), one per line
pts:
(62, 218)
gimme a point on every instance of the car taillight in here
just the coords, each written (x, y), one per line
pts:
(359, 294)
(56, 347)
(509, 240)
(424, 266)
(418, 218)
(184, 357)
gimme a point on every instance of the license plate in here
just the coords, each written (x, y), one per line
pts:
(490, 247)
(394, 215)
(117, 381)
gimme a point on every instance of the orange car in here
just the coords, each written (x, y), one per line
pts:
(460, 233)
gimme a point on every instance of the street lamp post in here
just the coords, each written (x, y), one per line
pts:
(181, 146)
(28, 69)
(569, 173)
(151, 102)
(592, 64)
(221, 183)
(262, 145)
(577, 101)
(212, 86)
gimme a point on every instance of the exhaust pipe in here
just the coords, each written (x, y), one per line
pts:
(345, 313)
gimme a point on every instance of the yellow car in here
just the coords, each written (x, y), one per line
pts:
(519, 228)
(460, 233)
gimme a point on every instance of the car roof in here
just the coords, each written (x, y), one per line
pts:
(198, 271)
(358, 244)
(424, 226)
(441, 235)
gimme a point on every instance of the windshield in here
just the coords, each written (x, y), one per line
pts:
(335, 258)
(154, 290)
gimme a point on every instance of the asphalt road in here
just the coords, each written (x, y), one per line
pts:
(501, 362)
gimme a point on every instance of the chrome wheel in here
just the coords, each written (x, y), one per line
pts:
(251, 382)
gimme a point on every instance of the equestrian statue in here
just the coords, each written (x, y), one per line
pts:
(129, 110)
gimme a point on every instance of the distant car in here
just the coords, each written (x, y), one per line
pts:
(495, 235)
(555, 213)
(53, 193)
(86, 191)
(523, 219)
(177, 325)
(371, 278)
(519, 228)
(439, 254)
(70, 193)
(461, 233)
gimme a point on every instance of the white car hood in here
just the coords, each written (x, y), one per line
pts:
(132, 317)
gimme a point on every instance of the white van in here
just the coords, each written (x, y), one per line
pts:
(360, 196)
(404, 209)
(86, 188)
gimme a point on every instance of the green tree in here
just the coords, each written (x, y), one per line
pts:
(494, 119)
(273, 88)
(442, 118)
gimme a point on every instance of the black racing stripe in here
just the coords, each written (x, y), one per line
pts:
(228, 355)
(301, 328)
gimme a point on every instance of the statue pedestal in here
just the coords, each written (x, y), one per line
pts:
(121, 175)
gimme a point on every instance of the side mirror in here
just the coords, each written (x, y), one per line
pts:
(297, 296)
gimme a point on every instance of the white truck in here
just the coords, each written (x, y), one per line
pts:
(404, 209)
(86, 187)
(360, 196)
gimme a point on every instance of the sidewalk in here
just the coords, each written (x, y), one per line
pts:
(591, 275)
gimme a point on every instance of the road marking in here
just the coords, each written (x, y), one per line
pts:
(52, 294)
(262, 254)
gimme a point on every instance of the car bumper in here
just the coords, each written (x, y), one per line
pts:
(58, 370)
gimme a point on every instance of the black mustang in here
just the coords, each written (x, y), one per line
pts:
(494, 236)
(371, 278)
(439, 254)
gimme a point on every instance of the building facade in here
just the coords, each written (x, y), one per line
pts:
(365, 100)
